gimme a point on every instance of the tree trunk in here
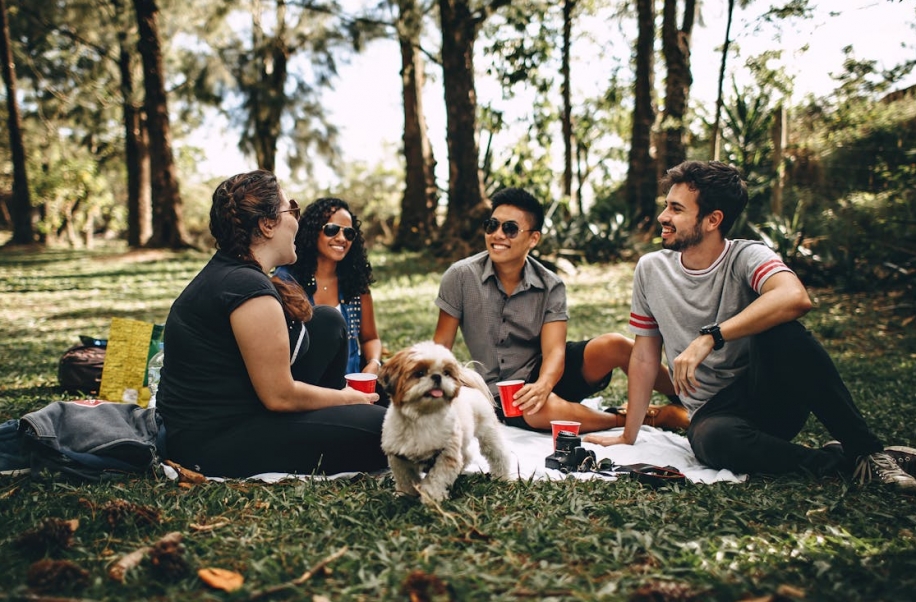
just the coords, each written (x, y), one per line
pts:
(641, 186)
(21, 205)
(467, 206)
(568, 8)
(421, 196)
(268, 94)
(168, 227)
(136, 156)
(715, 137)
(676, 49)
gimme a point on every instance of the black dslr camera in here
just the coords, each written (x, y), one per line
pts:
(569, 455)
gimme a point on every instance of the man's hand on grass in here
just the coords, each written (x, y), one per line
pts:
(605, 440)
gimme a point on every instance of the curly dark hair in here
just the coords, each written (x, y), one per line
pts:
(239, 203)
(354, 272)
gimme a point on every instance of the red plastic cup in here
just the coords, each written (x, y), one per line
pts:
(507, 390)
(563, 425)
(362, 381)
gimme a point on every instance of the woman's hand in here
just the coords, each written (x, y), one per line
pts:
(351, 396)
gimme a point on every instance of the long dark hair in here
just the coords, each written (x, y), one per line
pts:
(239, 203)
(354, 272)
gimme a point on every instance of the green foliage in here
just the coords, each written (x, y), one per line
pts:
(76, 198)
(856, 154)
(584, 238)
(567, 540)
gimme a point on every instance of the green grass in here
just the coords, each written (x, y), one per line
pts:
(571, 540)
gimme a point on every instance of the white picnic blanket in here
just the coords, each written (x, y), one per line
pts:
(654, 446)
(530, 449)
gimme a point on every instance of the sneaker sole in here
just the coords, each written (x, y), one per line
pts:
(15, 472)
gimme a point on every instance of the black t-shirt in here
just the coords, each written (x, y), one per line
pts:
(205, 385)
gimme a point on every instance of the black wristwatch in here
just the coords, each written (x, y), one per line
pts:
(713, 330)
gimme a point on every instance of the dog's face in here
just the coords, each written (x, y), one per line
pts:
(422, 378)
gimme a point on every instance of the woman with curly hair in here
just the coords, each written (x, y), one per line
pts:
(333, 269)
(253, 379)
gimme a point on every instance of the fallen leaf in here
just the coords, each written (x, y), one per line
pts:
(221, 579)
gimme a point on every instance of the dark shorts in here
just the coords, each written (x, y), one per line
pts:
(572, 386)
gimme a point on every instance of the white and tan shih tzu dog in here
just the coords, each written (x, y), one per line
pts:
(437, 407)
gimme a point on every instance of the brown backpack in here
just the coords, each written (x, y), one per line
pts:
(80, 367)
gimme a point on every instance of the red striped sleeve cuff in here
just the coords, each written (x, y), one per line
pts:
(643, 322)
(764, 271)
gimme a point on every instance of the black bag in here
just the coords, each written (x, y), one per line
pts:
(80, 367)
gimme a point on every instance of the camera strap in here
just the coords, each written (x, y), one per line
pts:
(654, 476)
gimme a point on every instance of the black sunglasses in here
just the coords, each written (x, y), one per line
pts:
(293, 208)
(510, 228)
(331, 230)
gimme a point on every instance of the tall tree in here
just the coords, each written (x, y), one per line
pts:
(641, 186)
(716, 136)
(267, 98)
(136, 151)
(168, 227)
(421, 195)
(23, 233)
(467, 204)
(568, 7)
(265, 64)
(676, 50)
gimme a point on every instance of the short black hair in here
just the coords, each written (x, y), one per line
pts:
(719, 186)
(524, 200)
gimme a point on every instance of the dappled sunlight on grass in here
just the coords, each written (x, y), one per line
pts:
(566, 540)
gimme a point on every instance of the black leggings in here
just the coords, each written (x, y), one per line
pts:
(748, 427)
(325, 441)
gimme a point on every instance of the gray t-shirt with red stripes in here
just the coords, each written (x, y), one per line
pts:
(674, 302)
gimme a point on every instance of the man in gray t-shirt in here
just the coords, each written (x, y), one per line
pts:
(726, 313)
(512, 313)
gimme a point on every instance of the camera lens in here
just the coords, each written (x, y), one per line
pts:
(567, 441)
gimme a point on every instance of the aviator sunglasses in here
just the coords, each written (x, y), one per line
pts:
(331, 230)
(293, 208)
(510, 228)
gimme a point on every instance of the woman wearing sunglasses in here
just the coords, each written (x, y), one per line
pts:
(253, 379)
(333, 269)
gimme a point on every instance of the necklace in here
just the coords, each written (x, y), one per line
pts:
(324, 287)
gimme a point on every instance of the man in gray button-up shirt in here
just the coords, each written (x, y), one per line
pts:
(512, 314)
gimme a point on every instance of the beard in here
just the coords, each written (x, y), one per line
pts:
(682, 243)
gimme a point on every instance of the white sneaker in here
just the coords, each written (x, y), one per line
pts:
(883, 468)
(904, 456)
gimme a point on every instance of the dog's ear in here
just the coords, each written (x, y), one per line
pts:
(388, 374)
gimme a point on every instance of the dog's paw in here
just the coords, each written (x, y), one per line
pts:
(406, 489)
(430, 495)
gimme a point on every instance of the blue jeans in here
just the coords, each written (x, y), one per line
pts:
(749, 426)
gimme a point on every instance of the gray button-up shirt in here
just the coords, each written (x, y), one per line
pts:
(502, 332)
